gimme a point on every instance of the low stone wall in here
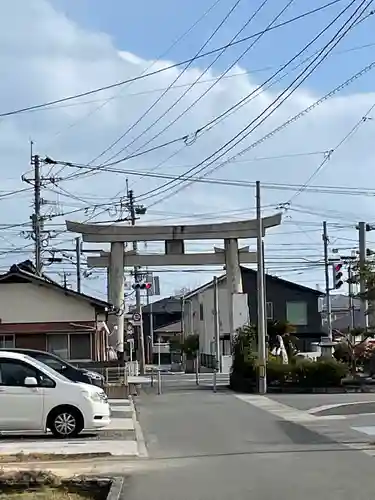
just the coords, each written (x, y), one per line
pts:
(116, 391)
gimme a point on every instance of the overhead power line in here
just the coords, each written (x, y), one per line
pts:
(104, 102)
(179, 99)
(328, 156)
(208, 126)
(162, 70)
(201, 82)
(272, 107)
(325, 189)
(152, 106)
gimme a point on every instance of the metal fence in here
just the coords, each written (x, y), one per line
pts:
(119, 374)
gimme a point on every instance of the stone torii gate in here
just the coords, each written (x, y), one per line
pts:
(174, 237)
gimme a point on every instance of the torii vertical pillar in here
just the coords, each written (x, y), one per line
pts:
(116, 280)
(234, 279)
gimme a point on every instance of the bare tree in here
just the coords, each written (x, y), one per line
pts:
(180, 292)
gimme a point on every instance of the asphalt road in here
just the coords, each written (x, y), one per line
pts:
(215, 446)
(176, 382)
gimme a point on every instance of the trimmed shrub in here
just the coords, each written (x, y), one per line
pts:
(304, 374)
(278, 373)
(326, 373)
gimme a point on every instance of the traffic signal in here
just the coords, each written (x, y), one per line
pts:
(142, 286)
(337, 276)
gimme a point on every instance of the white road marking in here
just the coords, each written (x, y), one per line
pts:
(115, 409)
(318, 409)
(366, 429)
(284, 411)
(120, 424)
(115, 402)
(298, 416)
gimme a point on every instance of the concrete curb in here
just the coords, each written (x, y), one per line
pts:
(116, 488)
(142, 448)
(93, 468)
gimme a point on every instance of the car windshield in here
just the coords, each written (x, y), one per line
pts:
(47, 369)
(52, 362)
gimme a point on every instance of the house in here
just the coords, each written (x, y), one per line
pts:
(162, 346)
(164, 312)
(285, 301)
(38, 313)
(341, 316)
(164, 317)
(164, 333)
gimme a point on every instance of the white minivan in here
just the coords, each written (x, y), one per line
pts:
(34, 397)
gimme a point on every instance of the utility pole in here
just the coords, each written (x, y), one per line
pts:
(351, 302)
(141, 340)
(78, 263)
(326, 274)
(151, 325)
(65, 280)
(262, 355)
(362, 281)
(37, 233)
(217, 367)
(36, 217)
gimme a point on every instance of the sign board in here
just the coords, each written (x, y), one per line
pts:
(136, 317)
(156, 285)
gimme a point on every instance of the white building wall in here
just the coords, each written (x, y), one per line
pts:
(206, 337)
(27, 303)
(206, 327)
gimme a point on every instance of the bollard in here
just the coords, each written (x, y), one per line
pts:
(159, 382)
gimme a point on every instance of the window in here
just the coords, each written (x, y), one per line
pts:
(201, 315)
(70, 346)
(59, 345)
(269, 310)
(7, 341)
(13, 373)
(80, 346)
(296, 313)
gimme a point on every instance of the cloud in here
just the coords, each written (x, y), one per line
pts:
(60, 58)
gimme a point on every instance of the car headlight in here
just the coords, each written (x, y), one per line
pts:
(97, 397)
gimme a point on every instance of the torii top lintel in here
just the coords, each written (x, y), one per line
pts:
(99, 233)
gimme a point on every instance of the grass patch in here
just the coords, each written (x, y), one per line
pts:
(49, 457)
(46, 494)
(39, 485)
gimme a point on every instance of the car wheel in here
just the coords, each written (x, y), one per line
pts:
(66, 423)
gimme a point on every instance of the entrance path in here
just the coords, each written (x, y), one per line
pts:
(207, 446)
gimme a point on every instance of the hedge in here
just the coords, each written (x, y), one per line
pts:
(303, 374)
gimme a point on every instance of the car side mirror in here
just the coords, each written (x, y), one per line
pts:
(31, 382)
(46, 382)
(63, 367)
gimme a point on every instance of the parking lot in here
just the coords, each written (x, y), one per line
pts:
(122, 431)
